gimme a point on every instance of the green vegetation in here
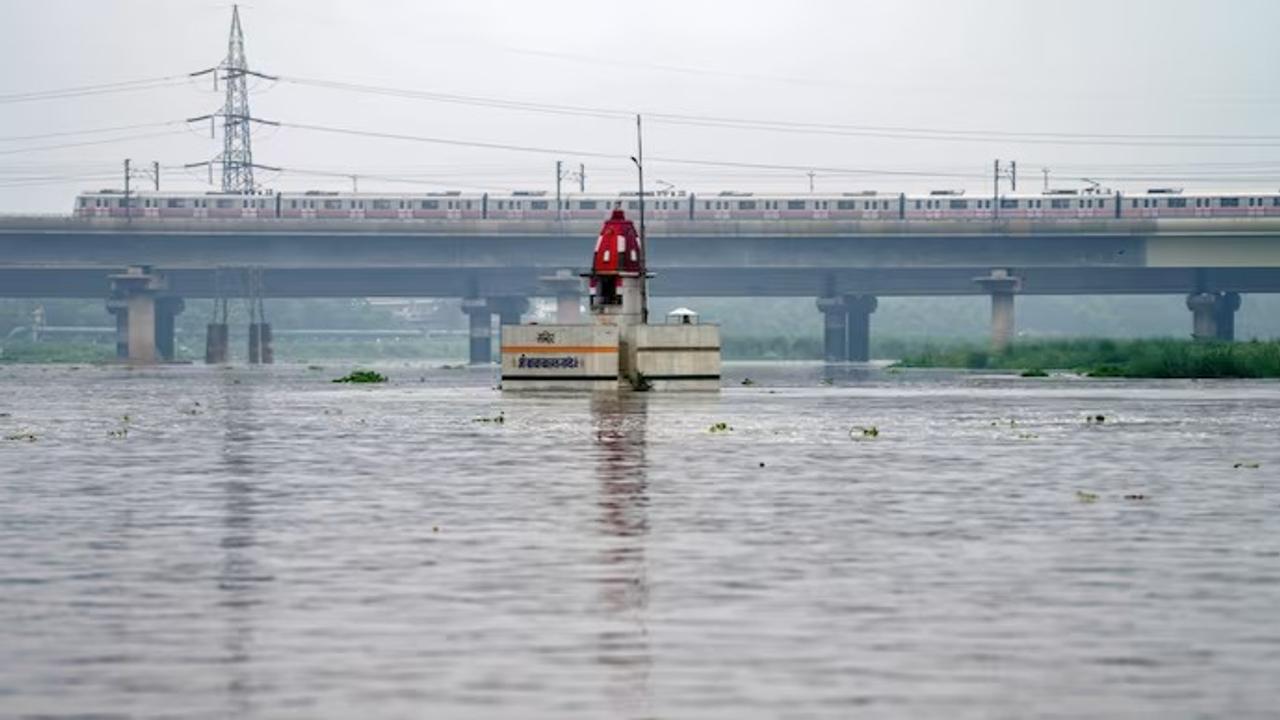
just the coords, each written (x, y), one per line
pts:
(363, 376)
(1116, 358)
(56, 352)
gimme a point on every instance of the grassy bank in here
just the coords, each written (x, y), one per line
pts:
(1114, 358)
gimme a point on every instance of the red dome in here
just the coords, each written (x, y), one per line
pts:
(618, 248)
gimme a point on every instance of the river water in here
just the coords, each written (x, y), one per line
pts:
(205, 543)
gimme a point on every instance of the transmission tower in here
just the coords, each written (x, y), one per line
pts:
(237, 150)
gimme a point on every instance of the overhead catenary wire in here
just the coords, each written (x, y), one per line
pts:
(821, 128)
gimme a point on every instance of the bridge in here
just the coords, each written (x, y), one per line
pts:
(145, 268)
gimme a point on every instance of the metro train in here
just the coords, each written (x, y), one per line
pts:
(665, 205)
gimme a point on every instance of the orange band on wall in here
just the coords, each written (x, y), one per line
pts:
(556, 349)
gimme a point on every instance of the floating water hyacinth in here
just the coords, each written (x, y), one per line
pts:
(363, 376)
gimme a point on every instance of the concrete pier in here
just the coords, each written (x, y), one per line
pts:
(167, 310)
(835, 329)
(137, 288)
(566, 288)
(216, 343)
(481, 343)
(859, 309)
(261, 350)
(1002, 285)
(1228, 304)
(119, 309)
(1213, 315)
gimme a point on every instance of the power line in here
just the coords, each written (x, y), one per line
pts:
(102, 89)
(94, 131)
(837, 129)
(87, 143)
(611, 156)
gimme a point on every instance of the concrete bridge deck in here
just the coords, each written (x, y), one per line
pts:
(507, 261)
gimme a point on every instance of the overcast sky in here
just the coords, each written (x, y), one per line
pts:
(1169, 67)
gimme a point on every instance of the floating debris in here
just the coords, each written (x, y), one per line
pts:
(720, 427)
(1137, 496)
(1034, 373)
(748, 381)
(866, 432)
(498, 419)
(1027, 436)
(315, 367)
(1095, 419)
(1247, 466)
(1086, 497)
(363, 376)
(120, 434)
(761, 464)
(827, 381)
(22, 437)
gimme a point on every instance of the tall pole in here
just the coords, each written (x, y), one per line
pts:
(1046, 178)
(644, 239)
(995, 203)
(559, 177)
(640, 166)
(155, 173)
(128, 204)
(1013, 175)
(811, 174)
(582, 177)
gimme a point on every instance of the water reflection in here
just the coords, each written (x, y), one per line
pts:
(239, 574)
(623, 647)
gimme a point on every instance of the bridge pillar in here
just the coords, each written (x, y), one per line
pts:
(567, 290)
(216, 341)
(481, 348)
(1228, 304)
(167, 309)
(1213, 315)
(508, 310)
(261, 349)
(835, 329)
(859, 308)
(138, 287)
(119, 308)
(1002, 285)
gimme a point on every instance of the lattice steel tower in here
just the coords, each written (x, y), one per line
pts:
(237, 152)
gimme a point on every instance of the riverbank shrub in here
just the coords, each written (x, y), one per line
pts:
(1116, 358)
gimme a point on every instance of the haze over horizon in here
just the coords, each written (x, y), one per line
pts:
(994, 77)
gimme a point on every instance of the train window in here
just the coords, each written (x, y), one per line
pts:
(1228, 202)
(332, 204)
(381, 204)
(1275, 202)
(1058, 204)
(1135, 203)
(435, 205)
(1007, 204)
(538, 205)
(1177, 202)
(586, 204)
(959, 204)
(1102, 203)
(675, 205)
(795, 204)
(632, 205)
(223, 204)
(468, 204)
(845, 205)
(746, 205)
